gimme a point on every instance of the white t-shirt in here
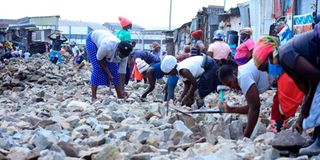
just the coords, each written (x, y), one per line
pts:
(75, 49)
(248, 74)
(193, 64)
(107, 44)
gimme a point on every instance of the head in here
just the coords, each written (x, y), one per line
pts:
(186, 49)
(155, 46)
(245, 34)
(200, 45)
(58, 34)
(169, 64)
(197, 35)
(125, 23)
(72, 44)
(266, 56)
(219, 35)
(124, 49)
(227, 75)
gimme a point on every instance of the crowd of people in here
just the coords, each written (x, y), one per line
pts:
(293, 67)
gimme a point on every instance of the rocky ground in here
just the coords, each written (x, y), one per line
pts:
(46, 114)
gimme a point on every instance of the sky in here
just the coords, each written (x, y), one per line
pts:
(149, 14)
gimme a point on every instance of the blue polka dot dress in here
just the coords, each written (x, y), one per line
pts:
(98, 76)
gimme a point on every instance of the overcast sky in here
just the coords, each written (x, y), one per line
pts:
(149, 14)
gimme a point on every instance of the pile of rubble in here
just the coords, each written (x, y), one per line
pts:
(46, 114)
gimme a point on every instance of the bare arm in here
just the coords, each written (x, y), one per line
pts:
(152, 82)
(64, 38)
(237, 109)
(186, 88)
(50, 36)
(192, 81)
(104, 67)
(210, 53)
(303, 67)
(253, 101)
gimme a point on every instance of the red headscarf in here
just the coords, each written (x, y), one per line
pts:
(197, 34)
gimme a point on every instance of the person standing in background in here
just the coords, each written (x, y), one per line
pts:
(124, 35)
(57, 41)
(245, 49)
(219, 49)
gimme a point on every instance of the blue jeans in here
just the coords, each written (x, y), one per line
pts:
(171, 85)
(56, 53)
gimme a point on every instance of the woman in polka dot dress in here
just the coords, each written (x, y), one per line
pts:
(108, 56)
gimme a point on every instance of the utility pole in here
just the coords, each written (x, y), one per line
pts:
(224, 4)
(170, 12)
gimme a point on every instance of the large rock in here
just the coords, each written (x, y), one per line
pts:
(180, 126)
(43, 138)
(51, 155)
(288, 140)
(236, 129)
(69, 149)
(109, 152)
(18, 153)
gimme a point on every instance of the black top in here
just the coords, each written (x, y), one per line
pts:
(56, 43)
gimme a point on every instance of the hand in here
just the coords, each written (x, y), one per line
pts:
(224, 106)
(298, 125)
(187, 101)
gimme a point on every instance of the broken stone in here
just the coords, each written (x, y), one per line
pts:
(69, 149)
(179, 126)
(18, 153)
(288, 140)
(109, 151)
(43, 138)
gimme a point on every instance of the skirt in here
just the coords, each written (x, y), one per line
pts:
(98, 76)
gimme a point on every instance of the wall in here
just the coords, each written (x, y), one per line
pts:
(235, 22)
(261, 17)
(47, 22)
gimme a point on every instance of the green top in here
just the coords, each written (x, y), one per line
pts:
(123, 35)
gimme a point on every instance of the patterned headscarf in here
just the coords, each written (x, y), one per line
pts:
(265, 46)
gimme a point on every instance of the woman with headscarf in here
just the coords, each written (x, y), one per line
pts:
(244, 50)
(125, 35)
(108, 57)
(300, 59)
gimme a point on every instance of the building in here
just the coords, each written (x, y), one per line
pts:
(77, 30)
(27, 32)
(207, 20)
